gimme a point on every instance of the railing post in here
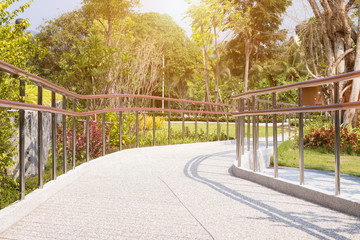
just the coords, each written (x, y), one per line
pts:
(183, 122)
(207, 127)
(301, 139)
(238, 136)
(154, 125)
(169, 123)
(217, 126)
(120, 125)
(74, 137)
(337, 140)
(257, 126)
(53, 126)
(254, 135)
(243, 128)
(282, 128)
(196, 123)
(64, 135)
(267, 128)
(248, 126)
(276, 170)
(88, 132)
(227, 124)
(40, 140)
(137, 124)
(289, 126)
(103, 135)
(22, 141)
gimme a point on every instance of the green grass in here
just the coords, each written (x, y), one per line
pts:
(288, 156)
(177, 126)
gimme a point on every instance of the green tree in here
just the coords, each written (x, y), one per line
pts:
(108, 13)
(338, 39)
(262, 30)
(210, 18)
(16, 48)
(179, 52)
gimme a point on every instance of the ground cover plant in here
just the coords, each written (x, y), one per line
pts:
(288, 156)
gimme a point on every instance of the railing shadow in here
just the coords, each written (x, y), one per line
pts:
(191, 170)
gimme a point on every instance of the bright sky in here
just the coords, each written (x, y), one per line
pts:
(47, 9)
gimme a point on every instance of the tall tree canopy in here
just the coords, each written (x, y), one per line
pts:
(262, 30)
(88, 57)
(339, 41)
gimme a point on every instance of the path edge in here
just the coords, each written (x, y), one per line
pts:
(315, 196)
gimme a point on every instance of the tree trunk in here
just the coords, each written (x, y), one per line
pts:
(340, 50)
(354, 96)
(217, 67)
(206, 75)
(247, 64)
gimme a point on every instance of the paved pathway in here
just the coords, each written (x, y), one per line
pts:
(176, 192)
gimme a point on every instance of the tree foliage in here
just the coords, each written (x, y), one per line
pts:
(332, 44)
(179, 52)
(16, 48)
(261, 33)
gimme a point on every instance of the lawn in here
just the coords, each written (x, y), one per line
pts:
(177, 127)
(288, 156)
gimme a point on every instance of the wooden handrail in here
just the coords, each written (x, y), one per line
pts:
(6, 67)
(304, 84)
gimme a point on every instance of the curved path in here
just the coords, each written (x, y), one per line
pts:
(176, 192)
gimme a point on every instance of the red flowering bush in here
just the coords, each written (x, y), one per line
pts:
(95, 147)
(325, 138)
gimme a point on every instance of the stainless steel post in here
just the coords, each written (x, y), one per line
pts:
(276, 170)
(53, 135)
(242, 130)
(227, 126)
(64, 135)
(40, 140)
(248, 127)
(196, 123)
(282, 128)
(207, 127)
(337, 141)
(169, 123)
(154, 125)
(103, 135)
(88, 132)
(22, 141)
(120, 126)
(296, 125)
(74, 137)
(137, 124)
(238, 136)
(289, 126)
(257, 127)
(217, 124)
(183, 123)
(301, 139)
(242, 137)
(254, 135)
(267, 128)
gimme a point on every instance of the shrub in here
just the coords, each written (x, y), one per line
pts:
(323, 139)
(95, 147)
(7, 151)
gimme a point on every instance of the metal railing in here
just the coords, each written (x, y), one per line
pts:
(299, 109)
(195, 108)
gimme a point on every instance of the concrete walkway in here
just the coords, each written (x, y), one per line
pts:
(175, 192)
